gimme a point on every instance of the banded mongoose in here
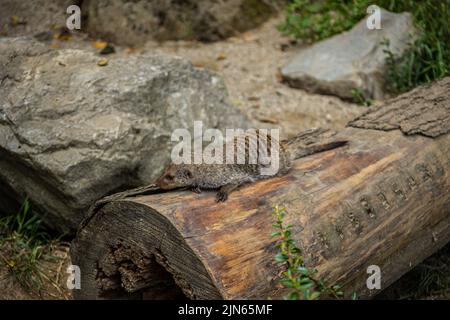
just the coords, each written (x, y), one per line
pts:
(228, 177)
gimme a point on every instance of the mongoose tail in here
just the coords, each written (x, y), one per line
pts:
(312, 141)
(316, 148)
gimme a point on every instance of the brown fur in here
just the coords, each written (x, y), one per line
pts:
(228, 177)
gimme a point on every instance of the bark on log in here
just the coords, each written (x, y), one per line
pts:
(381, 200)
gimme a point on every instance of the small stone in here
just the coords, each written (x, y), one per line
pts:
(102, 62)
(266, 119)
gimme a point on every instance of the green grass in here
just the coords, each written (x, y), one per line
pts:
(23, 243)
(312, 21)
(301, 281)
(359, 98)
(428, 58)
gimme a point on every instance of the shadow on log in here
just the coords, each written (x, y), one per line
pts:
(381, 200)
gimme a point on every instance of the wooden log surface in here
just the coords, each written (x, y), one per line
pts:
(381, 200)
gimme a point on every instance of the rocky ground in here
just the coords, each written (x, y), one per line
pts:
(249, 64)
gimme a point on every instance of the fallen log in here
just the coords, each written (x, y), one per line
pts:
(381, 200)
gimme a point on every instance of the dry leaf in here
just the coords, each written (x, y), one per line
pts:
(221, 57)
(15, 21)
(64, 37)
(99, 44)
(63, 34)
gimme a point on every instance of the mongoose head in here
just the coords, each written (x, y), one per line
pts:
(176, 176)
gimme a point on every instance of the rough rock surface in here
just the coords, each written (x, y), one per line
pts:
(72, 131)
(351, 60)
(134, 22)
(29, 17)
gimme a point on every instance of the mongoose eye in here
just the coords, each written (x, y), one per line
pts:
(169, 177)
(188, 174)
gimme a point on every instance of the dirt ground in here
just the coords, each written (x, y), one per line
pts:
(52, 272)
(249, 64)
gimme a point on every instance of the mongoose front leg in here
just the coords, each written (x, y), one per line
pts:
(196, 189)
(224, 191)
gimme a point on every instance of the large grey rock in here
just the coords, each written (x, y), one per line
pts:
(72, 131)
(351, 60)
(134, 22)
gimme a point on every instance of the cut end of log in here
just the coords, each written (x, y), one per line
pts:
(145, 264)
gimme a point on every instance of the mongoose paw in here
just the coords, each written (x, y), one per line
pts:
(196, 189)
(221, 196)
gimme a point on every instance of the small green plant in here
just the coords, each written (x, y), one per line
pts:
(22, 240)
(24, 224)
(359, 98)
(300, 279)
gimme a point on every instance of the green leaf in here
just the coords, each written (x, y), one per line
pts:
(303, 270)
(280, 257)
(287, 283)
(306, 280)
(306, 286)
(314, 295)
(293, 296)
(275, 234)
